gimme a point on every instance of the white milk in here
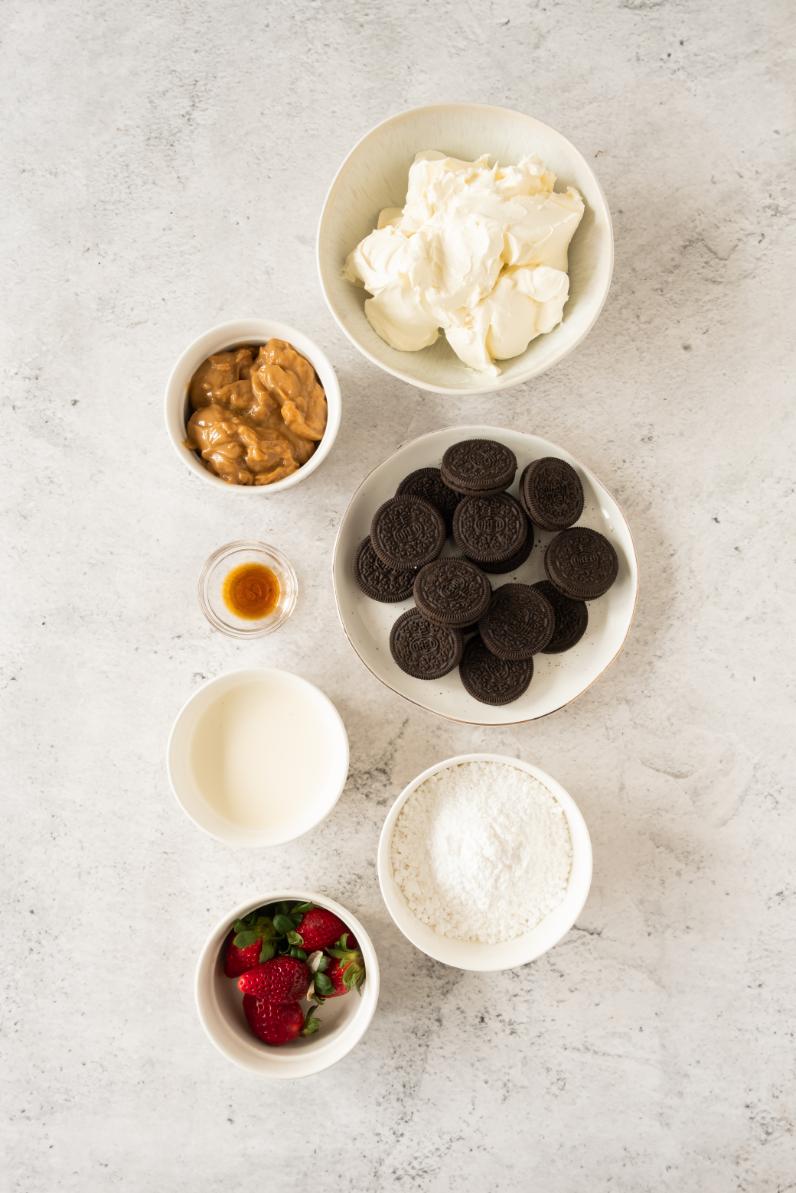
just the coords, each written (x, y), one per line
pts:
(262, 754)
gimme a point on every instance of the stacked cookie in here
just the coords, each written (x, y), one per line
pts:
(459, 620)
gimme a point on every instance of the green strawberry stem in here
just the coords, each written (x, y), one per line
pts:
(311, 1021)
(251, 928)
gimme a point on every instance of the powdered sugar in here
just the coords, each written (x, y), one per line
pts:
(482, 851)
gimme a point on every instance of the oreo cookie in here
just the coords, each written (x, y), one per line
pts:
(407, 532)
(571, 618)
(452, 592)
(478, 466)
(551, 493)
(518, 623)
(490, 679)
(516, 561)
(423, 648)
(581, 563)
(428, 484)
(377, 580)
(490, 529)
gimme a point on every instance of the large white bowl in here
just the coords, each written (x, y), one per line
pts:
(557, 678)
(344, 1020)
(236, 334)
(465, 954)
(318, 717)
(374, 175)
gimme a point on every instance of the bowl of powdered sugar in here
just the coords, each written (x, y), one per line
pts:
(484, 862)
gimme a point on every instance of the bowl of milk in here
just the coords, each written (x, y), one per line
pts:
(258, 756)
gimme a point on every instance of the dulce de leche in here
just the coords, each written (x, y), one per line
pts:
(258, 413)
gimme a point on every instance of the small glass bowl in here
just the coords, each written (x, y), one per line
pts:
(211, 588)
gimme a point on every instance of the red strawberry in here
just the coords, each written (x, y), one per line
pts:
(277, 1023)
(345, 971)
(282, 979)
(248, 944)
(345, 976)
(318, 928)
(237, 961)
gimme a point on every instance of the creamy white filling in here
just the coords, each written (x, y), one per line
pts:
(478, 250)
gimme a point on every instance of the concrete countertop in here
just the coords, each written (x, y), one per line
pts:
(165, 166)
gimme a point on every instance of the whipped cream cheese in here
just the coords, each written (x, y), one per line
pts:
(479, 250)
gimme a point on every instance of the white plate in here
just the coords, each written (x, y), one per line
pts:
(558, 678)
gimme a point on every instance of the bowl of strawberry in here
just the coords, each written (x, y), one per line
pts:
(287, 985)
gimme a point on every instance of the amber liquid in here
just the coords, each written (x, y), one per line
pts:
(251, 590)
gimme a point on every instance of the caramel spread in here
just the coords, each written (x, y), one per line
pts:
(251, 590)
(257, 414)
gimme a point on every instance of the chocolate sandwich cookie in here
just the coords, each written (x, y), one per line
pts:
(407, 532)
(518, 623)
(423, 648)
(581, 563)
(490, 529)
(377, 580)
(551, 493)
(452, 592)
(516, 561)
(490, 679)
(478, 466)
(428, 484)
(571, 618)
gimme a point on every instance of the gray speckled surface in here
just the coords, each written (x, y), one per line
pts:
(165, 164)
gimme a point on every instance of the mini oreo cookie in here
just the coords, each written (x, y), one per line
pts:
(572, 618)
(518, 623)
(490, 679)
(407, 532)
(581, 563)
(377, 580)
(551, 493)
(428, 484)
(490, 529)
(478, 466)
(423, 648)
(516, 561)
(452, 592)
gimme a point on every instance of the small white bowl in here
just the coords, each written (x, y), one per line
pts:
(207, 737)
(483, 958)
(236, 334)
(374, 175)
(344, 1020)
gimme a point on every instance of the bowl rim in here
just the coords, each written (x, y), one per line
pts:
(230, 334)
(239, 673)
(585, 856)
(489, 384)
(478, 430)
(328, 1052)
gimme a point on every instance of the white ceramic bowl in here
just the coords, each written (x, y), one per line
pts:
(374, 176)
(558, 678)
(271, 706)
(236, 334)
(344, 1020)
(472, 954)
